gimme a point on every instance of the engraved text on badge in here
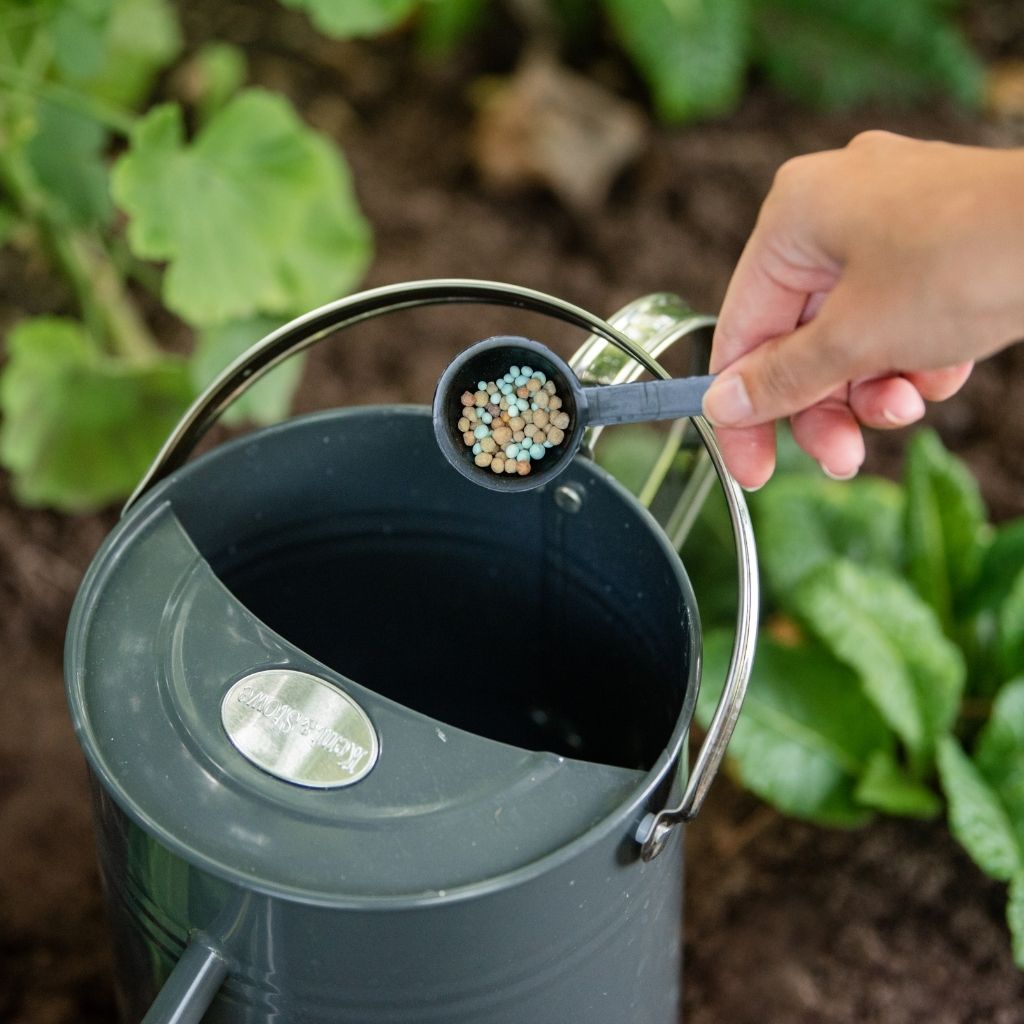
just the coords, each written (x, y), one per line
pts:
(300, 728)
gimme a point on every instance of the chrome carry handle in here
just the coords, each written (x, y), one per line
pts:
(654, 320)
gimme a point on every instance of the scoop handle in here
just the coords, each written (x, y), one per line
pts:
(646, 400)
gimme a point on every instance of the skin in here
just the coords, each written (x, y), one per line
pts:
(874, 277)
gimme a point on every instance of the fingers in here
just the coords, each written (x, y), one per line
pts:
(938, 385)
(886, 402)
(749, 453)
(780, 377)
(829, 433)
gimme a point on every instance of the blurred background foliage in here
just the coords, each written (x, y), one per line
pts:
(891, 665)
(232, 214)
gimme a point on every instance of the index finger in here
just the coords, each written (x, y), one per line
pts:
(766, 297)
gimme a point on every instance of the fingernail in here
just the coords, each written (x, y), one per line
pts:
(908, 409)
(727, 402)
(752, 490)
(839, 476)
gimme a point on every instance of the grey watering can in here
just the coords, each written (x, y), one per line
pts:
(371, 743)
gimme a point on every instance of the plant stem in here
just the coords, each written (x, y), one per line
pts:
(106, 308)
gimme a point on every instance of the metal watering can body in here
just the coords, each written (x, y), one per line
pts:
(373, 744)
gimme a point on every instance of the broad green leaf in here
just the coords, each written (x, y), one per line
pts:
(1011, 629)
(111, 49)
(444, 23)
(256, 215)
(976, 816)
(693, 53)
(886, 787)
(344, 18)
(945, 529)
(140, 38)
(77, 28)
(839, 53)
(806, 731)
(629, 453)
(1000, 566)
(875, 623)
(65, 154)
(266, 401)
(804, 522)
(79, 429)
(999, 754)
(1015, 917)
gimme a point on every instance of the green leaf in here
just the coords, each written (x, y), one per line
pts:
(111, 49)
(873, 622)
(629, 453)
(946, 527)
(1015, 917)
(839, 53)
(886, 787)
(806, 732)
(1011, 629)
(1001, 564)
(77, 28)
(444, 23)
(693, 53)
(79, 429)
(344, 18)
(140, 38)
(999, 755)
(65, 153)
(804, 522)
(269, 399)
(257, 215)
(976, 816)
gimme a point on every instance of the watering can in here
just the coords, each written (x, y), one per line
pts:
(369, 743)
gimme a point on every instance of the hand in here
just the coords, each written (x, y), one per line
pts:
(873, 278)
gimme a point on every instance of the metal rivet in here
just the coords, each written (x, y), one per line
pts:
(652, 835)
(569, 498)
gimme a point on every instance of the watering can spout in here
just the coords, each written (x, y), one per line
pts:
(191, 986)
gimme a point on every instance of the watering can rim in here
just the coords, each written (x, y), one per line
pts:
(623, 817)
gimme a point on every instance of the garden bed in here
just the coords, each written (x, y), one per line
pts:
(786, 923)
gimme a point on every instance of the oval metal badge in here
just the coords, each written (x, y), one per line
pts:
(300, 728)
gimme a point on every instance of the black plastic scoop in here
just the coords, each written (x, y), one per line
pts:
(490, 360)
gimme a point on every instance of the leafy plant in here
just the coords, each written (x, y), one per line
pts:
(890, 664)
(250, 219)
(696, 55)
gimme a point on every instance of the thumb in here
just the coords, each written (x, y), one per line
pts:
(783, 376)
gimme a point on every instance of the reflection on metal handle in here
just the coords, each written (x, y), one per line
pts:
(656, 322)
(638, 334)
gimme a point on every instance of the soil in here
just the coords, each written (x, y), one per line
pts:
(785, 922)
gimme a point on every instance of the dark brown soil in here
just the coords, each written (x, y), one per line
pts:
(785, 922)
